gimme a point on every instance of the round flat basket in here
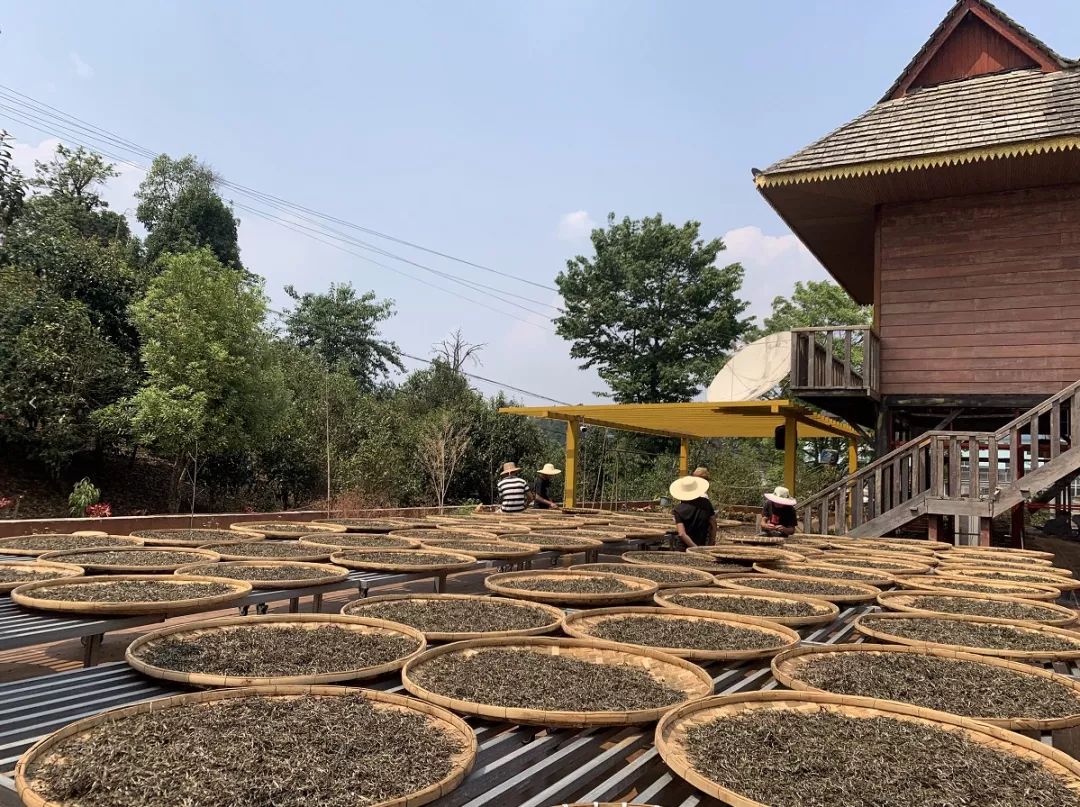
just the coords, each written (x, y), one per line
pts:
(358, 540)
(686, 560)
(283, 529)
(611, 536)
(1000, 551)
(784, 609)
(751, 539)
(498, 528)
(557, 587)
(332, 666)
(446, 611)
(769, 637)
(1007, 566)
(704, 719)
(513, 699)
(1032, 642)
(219, 591)
(933, 582)
(435, 533)
(262, 573)
(994, 558)
(566, 542)
(271, 550)
(193, 537)
(1057, 581)
(892, 566)
(484, 550)
(838, 591)
(908, 544)
(132, 560)
(947, 690)
(356, 753)
(364, 524)
(733, 553)
(823, 571)
(923, 559)
(406, 560)
(14, 573)
(663, 576)
(34, 545)
(994, 606)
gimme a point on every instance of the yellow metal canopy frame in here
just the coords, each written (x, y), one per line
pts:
(687, 421)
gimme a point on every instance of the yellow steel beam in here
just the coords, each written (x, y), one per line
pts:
(684, 457)
(573, 428)
(791, 447)
(852, 455)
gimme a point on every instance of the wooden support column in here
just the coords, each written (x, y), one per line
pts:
(684, 457)
(984, 531)
(573, 429)
(933, 527)
(852, 455)
(791, 445)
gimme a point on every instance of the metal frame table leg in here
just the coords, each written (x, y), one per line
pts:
(91, 645)
(316, 603)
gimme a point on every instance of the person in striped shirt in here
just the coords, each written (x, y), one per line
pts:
(513, 490)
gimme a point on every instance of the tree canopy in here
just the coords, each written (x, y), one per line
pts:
(815, 303)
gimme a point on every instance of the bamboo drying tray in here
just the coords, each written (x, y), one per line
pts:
(612, 536)
(909, 544)
(1003, 551)
(906, 568)
(354, 559)
(642, 588)
(753, 540)
(271, 622)
(826, 611)
(571, 544)
(746, 554)
(865, 593)
(580, 624)
(908, 602)
(924, 559)
(330, 573)
(25, 595)
(498, 528)
(479, 549)
(671, 732)
(61, 570)
(1026, 655)
(94, 567)
(1006, 566)
(364, 524)
(698, 577)
(650, 557)
(984, 574)
(227, 552)
(202, 537)
(356, 608)
(435, 532)
(801, 571)
(357, 541)
(283, 529)
(787, 667)
(675, 672)
(7, 546)
(975, 558)
(940, 583)
(446, 721)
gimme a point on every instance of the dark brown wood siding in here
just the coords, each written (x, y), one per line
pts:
(980, 295)
(972, 49)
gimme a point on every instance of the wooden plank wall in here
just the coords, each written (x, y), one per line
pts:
(981, 294)
(973, 49)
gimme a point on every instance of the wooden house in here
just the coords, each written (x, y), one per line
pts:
(953, 206)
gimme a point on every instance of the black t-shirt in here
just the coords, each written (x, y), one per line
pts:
(694, 516)
(542, 488)
(779, 515)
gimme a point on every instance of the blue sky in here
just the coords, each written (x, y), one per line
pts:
(493, 131)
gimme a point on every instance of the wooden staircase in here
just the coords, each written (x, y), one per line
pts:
(973, 474)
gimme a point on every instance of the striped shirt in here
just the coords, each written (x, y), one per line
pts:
(512, 494)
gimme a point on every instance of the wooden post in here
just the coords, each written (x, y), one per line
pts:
(684, 457)
(933, 527)
(573, 428)
(791, 445)
(984, 531)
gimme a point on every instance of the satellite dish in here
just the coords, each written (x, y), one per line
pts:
(753, 371)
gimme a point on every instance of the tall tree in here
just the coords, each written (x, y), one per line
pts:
(815, 303)
(342, 328)
(456, 352)
(651, 310)
(12, 186)
(74, 175)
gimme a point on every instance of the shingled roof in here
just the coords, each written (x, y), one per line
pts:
(989, 111)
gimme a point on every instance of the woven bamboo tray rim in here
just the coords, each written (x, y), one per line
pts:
(649, 557)
(123, 542)
(827, 611)
(572, 546)
(916, 544)
(331, 573)
(415, 534)
(460, 563)
(461, 764)
(556, 614)
(331, 547)
(612, 536)
(906, 601)
(938, 583)
(754, 540)
(317, 553)
(274, 621)
(206, 556)
(760, 554)
(1004, 551)
(24, 595)
(160, 538)
(802, 571)
(675, 672)
(908, 567)
(787, 667)
(866, 592)
(494, 528)
(385, 525)
(283, 529)
(579, 623)
(671, 732)
(974, 558)
(982, 574)
(70, 569)
(704, 578)
(887, 550)
(643, 588)
(508, 550)
(1030, 627)
(1005, 566)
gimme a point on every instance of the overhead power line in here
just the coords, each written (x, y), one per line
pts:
(491, 381)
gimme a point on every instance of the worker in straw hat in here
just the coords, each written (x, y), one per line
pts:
(778, 513)
(695, 518)
(513, 490)
(541, 493)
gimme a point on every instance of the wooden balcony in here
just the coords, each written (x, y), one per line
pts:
(837, 368)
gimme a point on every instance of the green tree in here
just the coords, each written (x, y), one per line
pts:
(12, 186)
(651, 310)
(74, 175)
(815, 303)
(342, 329)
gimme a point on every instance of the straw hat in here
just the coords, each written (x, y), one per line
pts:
(549, 470)
(781, 496)
(508, 468)
(688, 488)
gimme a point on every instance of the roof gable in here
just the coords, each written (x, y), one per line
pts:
(974, 39)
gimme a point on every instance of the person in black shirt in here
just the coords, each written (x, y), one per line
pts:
(778, 513)
(542, 487)
(695, 517)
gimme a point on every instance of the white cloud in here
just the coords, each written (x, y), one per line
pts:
(772, 262)
(82, 69)
(574, 226)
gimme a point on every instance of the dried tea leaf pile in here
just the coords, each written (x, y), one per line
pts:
(469, 546)
(833, 574)
(403, 558)
(949, 685)
(749, 606)
(551, 539)
(268, 549)
(789, 586)
(234, 571)
(189, 536)
(127, 557)
(683, 633)
(657, 574)
(824, 759)
(972, 634)
(267, 650)
(131, 591)
(975, 606)
(695, 561)
(360, 539)
(56, 543)
(530, 680)
(455, 616)
(981, 588)
(569, 584)
(11, 574)
(282, 527)
(252, 752)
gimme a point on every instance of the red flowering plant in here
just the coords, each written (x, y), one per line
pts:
(99, 510)
(6, 502)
